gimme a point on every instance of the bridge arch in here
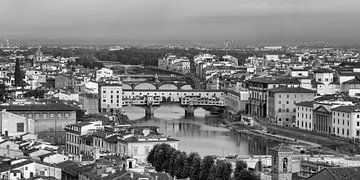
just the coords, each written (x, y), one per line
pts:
(186, 86)
(168, 86)
(145, 86)
(126, 86)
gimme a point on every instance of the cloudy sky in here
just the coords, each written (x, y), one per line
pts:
(166, 21)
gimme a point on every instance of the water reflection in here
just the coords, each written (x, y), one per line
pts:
(201, 134)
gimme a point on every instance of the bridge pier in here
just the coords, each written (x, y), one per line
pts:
(149, 111)
(189, 111)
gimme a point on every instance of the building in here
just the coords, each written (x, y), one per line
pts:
(324, 77)
(63, 81)
(38, 57)
(258, 89)
(346, 121)
(337, 173)
(49, 119)
(281, 103)
(74, 131)
(173, 63)
(304, 115)
(110, 97)
(14, 125)
(24, 168)
(299, 72)
(281, 162)
(104, 73)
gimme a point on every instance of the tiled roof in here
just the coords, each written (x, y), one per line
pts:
(338, 173)
(282, 148)
(40, 107)
(275, 80)
(347, 109)
(291, 90)
(305, 103)
(323, 71)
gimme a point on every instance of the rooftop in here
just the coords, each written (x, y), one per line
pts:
(347, 109)
(306, 103)
(291, 90)
(39, 107)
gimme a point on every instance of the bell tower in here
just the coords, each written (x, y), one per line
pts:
(281, 162)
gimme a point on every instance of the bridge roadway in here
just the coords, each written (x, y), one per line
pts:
(189, 99)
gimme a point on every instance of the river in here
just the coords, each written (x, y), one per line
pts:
(202, 134)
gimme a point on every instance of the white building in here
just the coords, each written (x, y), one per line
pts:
(14, 125)
(324, 77)
(346, 121)
(104, 73)
(110, 97)
(304, 115)
(270, 57)
(74, 131)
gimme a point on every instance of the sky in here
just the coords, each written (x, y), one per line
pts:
(180, 21)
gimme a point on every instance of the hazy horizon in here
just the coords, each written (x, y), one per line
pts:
(185, 21)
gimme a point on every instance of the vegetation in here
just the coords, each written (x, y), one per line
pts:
(18, 74)
(180, 165)
(35, 93)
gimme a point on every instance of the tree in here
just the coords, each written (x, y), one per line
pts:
(18, 74)
(206, 164)
(220, 171)
(241, 172)
(35, 93)
(2, 93)
(194, 161)
(160, 156)
(181, 169)
(172, 162)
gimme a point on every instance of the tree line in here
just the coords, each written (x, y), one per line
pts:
(181, 165)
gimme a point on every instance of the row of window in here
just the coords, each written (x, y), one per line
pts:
(306, 115)
(306, 109)
(72, 138)
(286, 110)
(343, 115)
(46, 115)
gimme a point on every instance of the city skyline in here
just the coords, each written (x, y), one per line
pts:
(169, 21)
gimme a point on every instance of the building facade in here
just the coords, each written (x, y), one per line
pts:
(282, 100)
(110, 97)
(49, 119)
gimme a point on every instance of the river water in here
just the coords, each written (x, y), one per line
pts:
(202, 134)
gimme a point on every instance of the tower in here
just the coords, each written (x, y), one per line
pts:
(38, 56)
(281, 162)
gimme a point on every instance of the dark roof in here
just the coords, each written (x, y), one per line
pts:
(334, 97)
(40, 107)
(68, 167)
(323, 71)
(306, 103)
(338, 173)
(81, 124)
(347, 109)
(291, 90)
(275, 80)
(282, 148)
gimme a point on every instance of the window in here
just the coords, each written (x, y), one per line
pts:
(45, 116)
(37, 116)
(279, 102)
(104, 91)
(285, 164)
(279, 109)
(52, 116)
(287, 102)
(147, 150)
(67, 115)
(19, 127)
(287, 109)
(358, 123)
(135, 150)
(59, 116)
(279, 95)
(104, 100)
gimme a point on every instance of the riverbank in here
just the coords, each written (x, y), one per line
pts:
(312, 141)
